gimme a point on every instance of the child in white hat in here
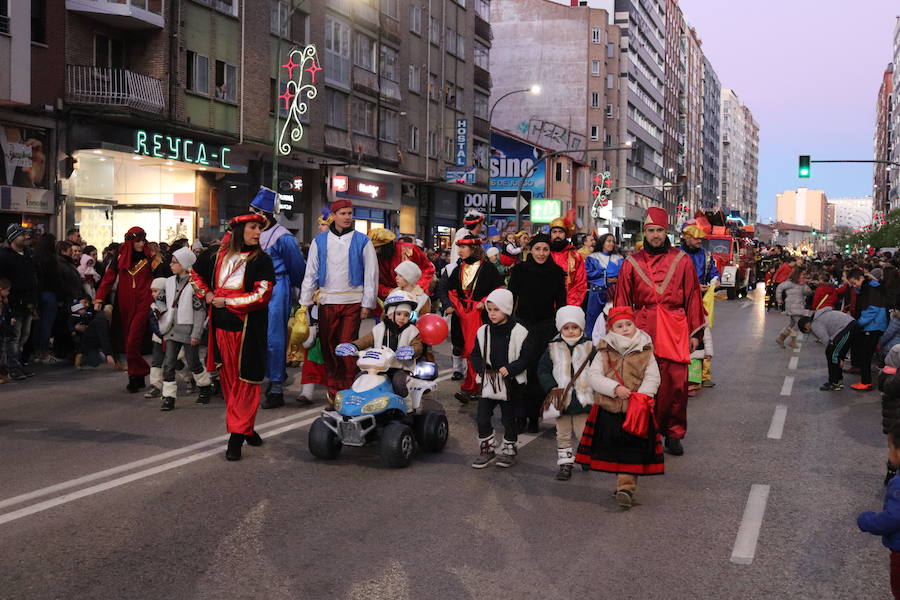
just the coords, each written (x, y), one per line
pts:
(408, 274)
(158, 355)
(563, 369)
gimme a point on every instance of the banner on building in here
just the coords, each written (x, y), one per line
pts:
(26, 200)
(23, 157)
(511, 159)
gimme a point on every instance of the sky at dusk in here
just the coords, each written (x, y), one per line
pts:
(810, 72)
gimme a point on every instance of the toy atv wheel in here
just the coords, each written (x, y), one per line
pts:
(397, 445)
(323, 442)
(432, 430)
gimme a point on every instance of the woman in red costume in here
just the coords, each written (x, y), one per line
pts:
(134, 270)
(470, 283)
(238, 296)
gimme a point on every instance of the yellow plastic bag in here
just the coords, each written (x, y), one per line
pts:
(298, 326)
(709, 304)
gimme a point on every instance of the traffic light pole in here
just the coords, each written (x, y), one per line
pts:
(871, 161)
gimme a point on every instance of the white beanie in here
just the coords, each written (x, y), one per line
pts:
(409, 271)
(502, 299)
(185, 257)
(569, 314)
(493, 251)
(158, 284)
(197, 245)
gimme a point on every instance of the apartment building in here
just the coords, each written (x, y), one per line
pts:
(884, 199)
(739, 159)
(710, 125)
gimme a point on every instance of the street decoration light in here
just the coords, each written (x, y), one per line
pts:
(300, 88)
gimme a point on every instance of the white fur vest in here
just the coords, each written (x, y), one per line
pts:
(406, 337)
(566, 364)
(516, 340)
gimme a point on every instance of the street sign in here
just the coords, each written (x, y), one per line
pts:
(544, 210)
(499, 203)
(462, 142)
(460, 175)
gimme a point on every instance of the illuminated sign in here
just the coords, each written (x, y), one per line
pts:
(368, 189)
(170, 147)
(298, 90)
(345, 186)
(340, 183)
(462, 141)
(544, 210)
(297, 184)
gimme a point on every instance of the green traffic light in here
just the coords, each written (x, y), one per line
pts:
(804, 168)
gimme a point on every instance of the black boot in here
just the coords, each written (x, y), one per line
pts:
(533, 424)
(273, 400)
(463, 397)
(204, 395)
(234, 447)
(673, 445)
(253, 439)
(135, 383)
(216, 387)
(167, 404)
(891, 472)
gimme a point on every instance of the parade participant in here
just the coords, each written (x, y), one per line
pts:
(568, 258)
(342, 278)
(391, 253)
(469, 284)
(313, 371)
(660, 283)
(602, 269)
(182, 325)
(539, 288)
(158, 353)
(238, 294)
(493, 255)
(500, 357)
(708, 275)
(282, 248)
(625, 376)
(131, 275)
(792, 294)
(407, 273)
(511, 252)
(473, 223)
(564, 376)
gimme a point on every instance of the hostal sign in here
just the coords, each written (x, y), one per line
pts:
(169, 147)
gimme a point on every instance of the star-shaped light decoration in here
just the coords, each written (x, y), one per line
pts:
(287, 96)
(313, 68)
(297, 94)
(290, 65)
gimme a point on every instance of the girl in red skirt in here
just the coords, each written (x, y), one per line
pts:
(620, 435)
(238, 295)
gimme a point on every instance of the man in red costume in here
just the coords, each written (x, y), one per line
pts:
(661, 284)
(569, 260)
(390, 254)
(134, 269)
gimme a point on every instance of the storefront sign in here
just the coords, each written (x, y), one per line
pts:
(340, 183)
(26, 200)
(462, 141)
(297, 184)
(464, 175)
(358, 188)
(501, 203)
(285, 202)
(511, 159)
(544, 210)
(186, 150)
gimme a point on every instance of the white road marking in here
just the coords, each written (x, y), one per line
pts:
(114, 483)
(777, 426)
(792, 364)
(787, 386)
(746, 304)
(748, 533)
(142, 462)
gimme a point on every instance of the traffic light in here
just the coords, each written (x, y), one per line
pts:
(804, 170)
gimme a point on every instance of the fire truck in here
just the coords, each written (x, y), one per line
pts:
(731, 245)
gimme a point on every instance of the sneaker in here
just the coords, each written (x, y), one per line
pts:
(463, 397)
(167, 404)
(304, 401)
(862, 387)
(624, 498)
(506, 460)
(153, 392)
(828, 387)
(673, 445)
(564, 473)
(457, 376)
(52, 360)
(484, 459)
(708, 383)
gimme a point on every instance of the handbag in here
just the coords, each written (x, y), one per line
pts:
(554, 401)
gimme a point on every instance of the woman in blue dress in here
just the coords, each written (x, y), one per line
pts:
(602, 272)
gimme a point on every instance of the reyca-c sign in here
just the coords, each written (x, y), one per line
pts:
(170, 147)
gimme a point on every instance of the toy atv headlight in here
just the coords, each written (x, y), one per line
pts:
(425, 370)
(338, 401)
(376, 405)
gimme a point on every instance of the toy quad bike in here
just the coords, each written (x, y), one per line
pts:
(370, 413)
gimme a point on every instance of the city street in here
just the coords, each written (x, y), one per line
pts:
(107, 497)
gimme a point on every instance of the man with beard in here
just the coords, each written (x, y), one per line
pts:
(569, 260)
(708, 275)
(391, 253)
(660, 283)
(282, 248)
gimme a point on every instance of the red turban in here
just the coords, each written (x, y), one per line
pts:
(339, 204)
(251, 217)
(618, 313)
(135, 234)
(656, 216)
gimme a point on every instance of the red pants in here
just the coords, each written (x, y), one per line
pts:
(895, 574)
(672, 398)
(241, 398)
(313, 372)
(134, 327)
(338, 323)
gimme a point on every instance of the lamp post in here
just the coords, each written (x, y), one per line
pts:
(535, 90)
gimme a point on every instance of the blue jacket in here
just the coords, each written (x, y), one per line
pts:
(870, 303)
(887, 523)
(704, 264)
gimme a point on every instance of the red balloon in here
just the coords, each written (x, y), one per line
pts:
(432, 329)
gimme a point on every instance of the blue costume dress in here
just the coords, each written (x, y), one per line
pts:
(599, 267)
(704, 264)
(290, 267)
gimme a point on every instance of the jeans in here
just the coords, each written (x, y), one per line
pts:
(14, 341)
(191, 359)
(507, 417)
(47, 311)
(865, 347)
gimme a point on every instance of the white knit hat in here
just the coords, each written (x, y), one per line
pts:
(492, 251)
(158, 284)
(197, 245)
(185, 257)
(409, 271)
(502, 299)
(569, 314)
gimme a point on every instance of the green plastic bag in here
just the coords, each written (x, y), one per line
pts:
(695, 371)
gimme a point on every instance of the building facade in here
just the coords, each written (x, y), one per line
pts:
(853, 213)
(884, 199)
(739, 158)
(802, 206)
(710, 124)
(893, 197)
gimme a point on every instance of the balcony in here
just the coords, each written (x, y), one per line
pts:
(390, 29)
(124, 14)
(364, 12)
(365, 81)
(482, 78)
(114, 87)
(483, 29)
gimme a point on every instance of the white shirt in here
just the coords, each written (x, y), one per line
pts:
(337, 288)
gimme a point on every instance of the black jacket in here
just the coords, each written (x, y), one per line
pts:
(70, 288)
(498, 337)
(21, 272)
(539, 290)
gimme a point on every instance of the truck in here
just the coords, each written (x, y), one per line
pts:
(732, 247)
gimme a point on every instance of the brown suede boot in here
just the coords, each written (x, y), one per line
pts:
(782, 336)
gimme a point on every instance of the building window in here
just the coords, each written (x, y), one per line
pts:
(337, 51)
(595, 99)
(432, 143)
(415, 79)
(387, 125)
(593, 165)
(595, 68)
(610, 81)
(388, 63)
(481, 105)
(558, 176)
(451, 40)
(38, 20)
(595, 132)
(363, 117)
(365, 52)
(453, 96)
(197, 73)
(335, 109)
(109, 52)
(483, 9)
(415, 19)
(607, 139)
(595, 35)
(461, 46)
(609, 111)
(434, 90)
(226, 81)
(280, 18)
(448, 147)
(229, 7)
(274, 99)
(481, 155)
(391, 8)
(610, 50)
(434, 31)
(482, 56)
(413, 143)
(4, 16)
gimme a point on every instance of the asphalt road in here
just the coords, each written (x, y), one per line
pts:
(107, 497)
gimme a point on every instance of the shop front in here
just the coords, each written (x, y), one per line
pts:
(447, 218)
(25, 194)
(376, 200)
